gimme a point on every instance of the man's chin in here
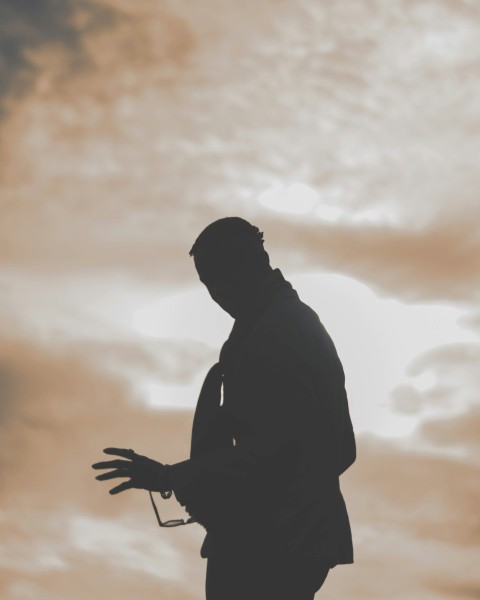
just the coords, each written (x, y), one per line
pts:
(228, 308)
(232, 312)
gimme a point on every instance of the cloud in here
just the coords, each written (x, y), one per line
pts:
(58, 523)
(128, 127)
(405, 399)
(29, 28)
(420, 500)
(459, 431)
(416, 534)
(62, 412)
(179, 116)
(472, 321)
(168, 360)
(458, 590)
(66, 557)
(95, 320)
(437, 263)
(453, 369)
(427, 512)
(43, 44)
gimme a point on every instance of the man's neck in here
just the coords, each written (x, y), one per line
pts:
(255, 295)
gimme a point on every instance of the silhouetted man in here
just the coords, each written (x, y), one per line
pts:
(263, 473)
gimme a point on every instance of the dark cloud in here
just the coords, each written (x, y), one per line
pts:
(28, 25)
(51, 44)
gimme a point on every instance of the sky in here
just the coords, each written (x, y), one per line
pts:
(348, 132)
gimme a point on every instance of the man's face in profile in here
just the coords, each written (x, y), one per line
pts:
(226, 281)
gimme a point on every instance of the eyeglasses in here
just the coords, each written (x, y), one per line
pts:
(171, 522)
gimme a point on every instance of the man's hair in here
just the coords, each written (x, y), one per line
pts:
(226, 230)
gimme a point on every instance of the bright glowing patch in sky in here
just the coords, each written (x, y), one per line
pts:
(295, 198)
(189, 315)
(378, 214)
(375, 337)
(301, 199)
(158, 395)
(327, 212)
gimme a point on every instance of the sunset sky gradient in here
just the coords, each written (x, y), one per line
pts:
(348, 131)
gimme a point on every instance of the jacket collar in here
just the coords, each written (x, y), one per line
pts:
(274, 287)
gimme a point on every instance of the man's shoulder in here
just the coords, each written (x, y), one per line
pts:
(290, 312)
(289, 322)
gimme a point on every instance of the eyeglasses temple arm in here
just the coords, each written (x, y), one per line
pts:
(155, 509)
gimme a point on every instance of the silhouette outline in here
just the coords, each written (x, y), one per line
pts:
(265, 459)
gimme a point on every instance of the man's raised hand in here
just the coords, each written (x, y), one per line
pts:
(142, 472)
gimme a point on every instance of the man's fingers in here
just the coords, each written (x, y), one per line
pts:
(112, 464)
(113, 474)
(125, 452)
(126, 485)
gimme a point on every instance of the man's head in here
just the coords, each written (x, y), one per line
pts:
(231, 262)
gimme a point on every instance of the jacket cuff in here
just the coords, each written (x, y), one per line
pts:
(181, 475)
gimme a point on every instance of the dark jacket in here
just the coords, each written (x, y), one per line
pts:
(265, 466)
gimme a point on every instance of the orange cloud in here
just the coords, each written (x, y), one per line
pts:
(125, 129)
(454, 368)
(435, 263)
(58, 414)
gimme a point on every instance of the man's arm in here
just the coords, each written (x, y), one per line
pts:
(298, 409)
(283, 381)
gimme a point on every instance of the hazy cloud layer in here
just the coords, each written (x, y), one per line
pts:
(456, 380)
(59, 412)
(125, 129)
(435, 263)
(179, 116)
